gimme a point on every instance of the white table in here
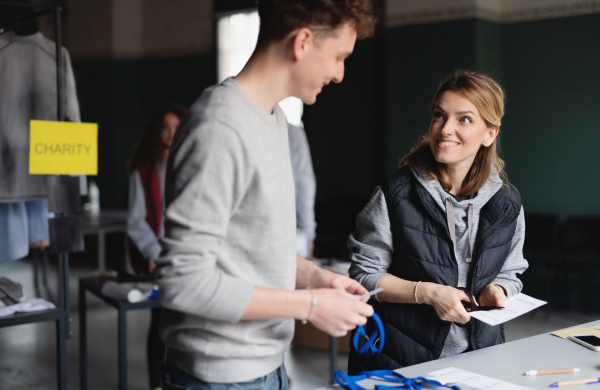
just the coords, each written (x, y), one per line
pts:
(509, 361)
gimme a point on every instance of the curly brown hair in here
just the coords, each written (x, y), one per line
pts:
(280, 17)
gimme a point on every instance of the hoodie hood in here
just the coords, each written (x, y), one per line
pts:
(491, 186)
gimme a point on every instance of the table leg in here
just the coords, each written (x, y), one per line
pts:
(64, 265)
(122, 350)
(332, 357)
(101, 250)
(61, 352)
(82, 338)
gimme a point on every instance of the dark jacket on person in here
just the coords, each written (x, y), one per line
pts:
(414, 333)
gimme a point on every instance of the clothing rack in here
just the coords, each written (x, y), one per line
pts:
(60, 315)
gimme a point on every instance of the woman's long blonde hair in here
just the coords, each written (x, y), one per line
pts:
(487, 95)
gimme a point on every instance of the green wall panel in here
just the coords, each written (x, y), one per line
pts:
(488, 48)
(344, 127)
(120, 95)
(418, 57)
(551, 72)
(359, 129)
(550, 135)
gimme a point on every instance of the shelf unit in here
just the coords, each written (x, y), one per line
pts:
(60, 315)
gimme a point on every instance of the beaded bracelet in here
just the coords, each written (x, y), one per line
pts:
(313, 303)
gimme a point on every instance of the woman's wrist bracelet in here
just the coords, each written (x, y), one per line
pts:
(313, 303)
(416, 288)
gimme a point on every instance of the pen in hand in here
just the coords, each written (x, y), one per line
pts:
(371, 293)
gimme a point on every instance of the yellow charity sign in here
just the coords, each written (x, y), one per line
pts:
(63, 148)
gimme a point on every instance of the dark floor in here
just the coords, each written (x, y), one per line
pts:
(28, 351)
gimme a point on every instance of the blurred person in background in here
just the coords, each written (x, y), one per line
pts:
(147, 167)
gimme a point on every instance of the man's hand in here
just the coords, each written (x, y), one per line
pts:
(323, 278)
(337, 311)
(339, 307)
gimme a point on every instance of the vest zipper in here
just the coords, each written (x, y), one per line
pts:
(452, 253)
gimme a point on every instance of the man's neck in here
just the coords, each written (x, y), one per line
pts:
(265, 79)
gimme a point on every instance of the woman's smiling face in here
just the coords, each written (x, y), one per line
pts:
(457, 131)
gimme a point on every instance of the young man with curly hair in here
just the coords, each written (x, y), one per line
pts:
(228, 271)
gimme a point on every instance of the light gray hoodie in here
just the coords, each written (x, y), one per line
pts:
(377, 248)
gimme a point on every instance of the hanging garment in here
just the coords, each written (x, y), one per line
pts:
(28, 80)
(22, 224)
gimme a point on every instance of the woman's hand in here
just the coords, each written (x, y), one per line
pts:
(446, 301)
(151, 266)
(492, 295)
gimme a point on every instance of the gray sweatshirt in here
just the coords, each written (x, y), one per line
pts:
(229, 225)
(373, 223)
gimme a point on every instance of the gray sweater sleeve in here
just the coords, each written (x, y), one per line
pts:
(71, 103)
(371, 245)
(207, 174)
(515, 263)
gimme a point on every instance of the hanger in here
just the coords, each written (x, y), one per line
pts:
(15, 17)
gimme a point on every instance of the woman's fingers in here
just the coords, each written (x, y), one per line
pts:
(448, 305)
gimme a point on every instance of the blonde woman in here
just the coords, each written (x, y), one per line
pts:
(446, 219)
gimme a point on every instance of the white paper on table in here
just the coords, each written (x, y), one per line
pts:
(453, 375)
(513, 307)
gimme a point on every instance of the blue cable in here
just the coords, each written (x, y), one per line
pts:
(389, 376)
(369, 345)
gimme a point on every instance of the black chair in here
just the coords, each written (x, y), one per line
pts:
(545, 271)
(580, 251)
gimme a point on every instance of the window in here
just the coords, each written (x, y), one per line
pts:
(236, 39)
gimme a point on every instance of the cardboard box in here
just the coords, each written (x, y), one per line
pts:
(307, 336)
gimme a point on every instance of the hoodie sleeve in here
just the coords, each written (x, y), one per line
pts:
(138, 229)
(371, 244)
(515, 263)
